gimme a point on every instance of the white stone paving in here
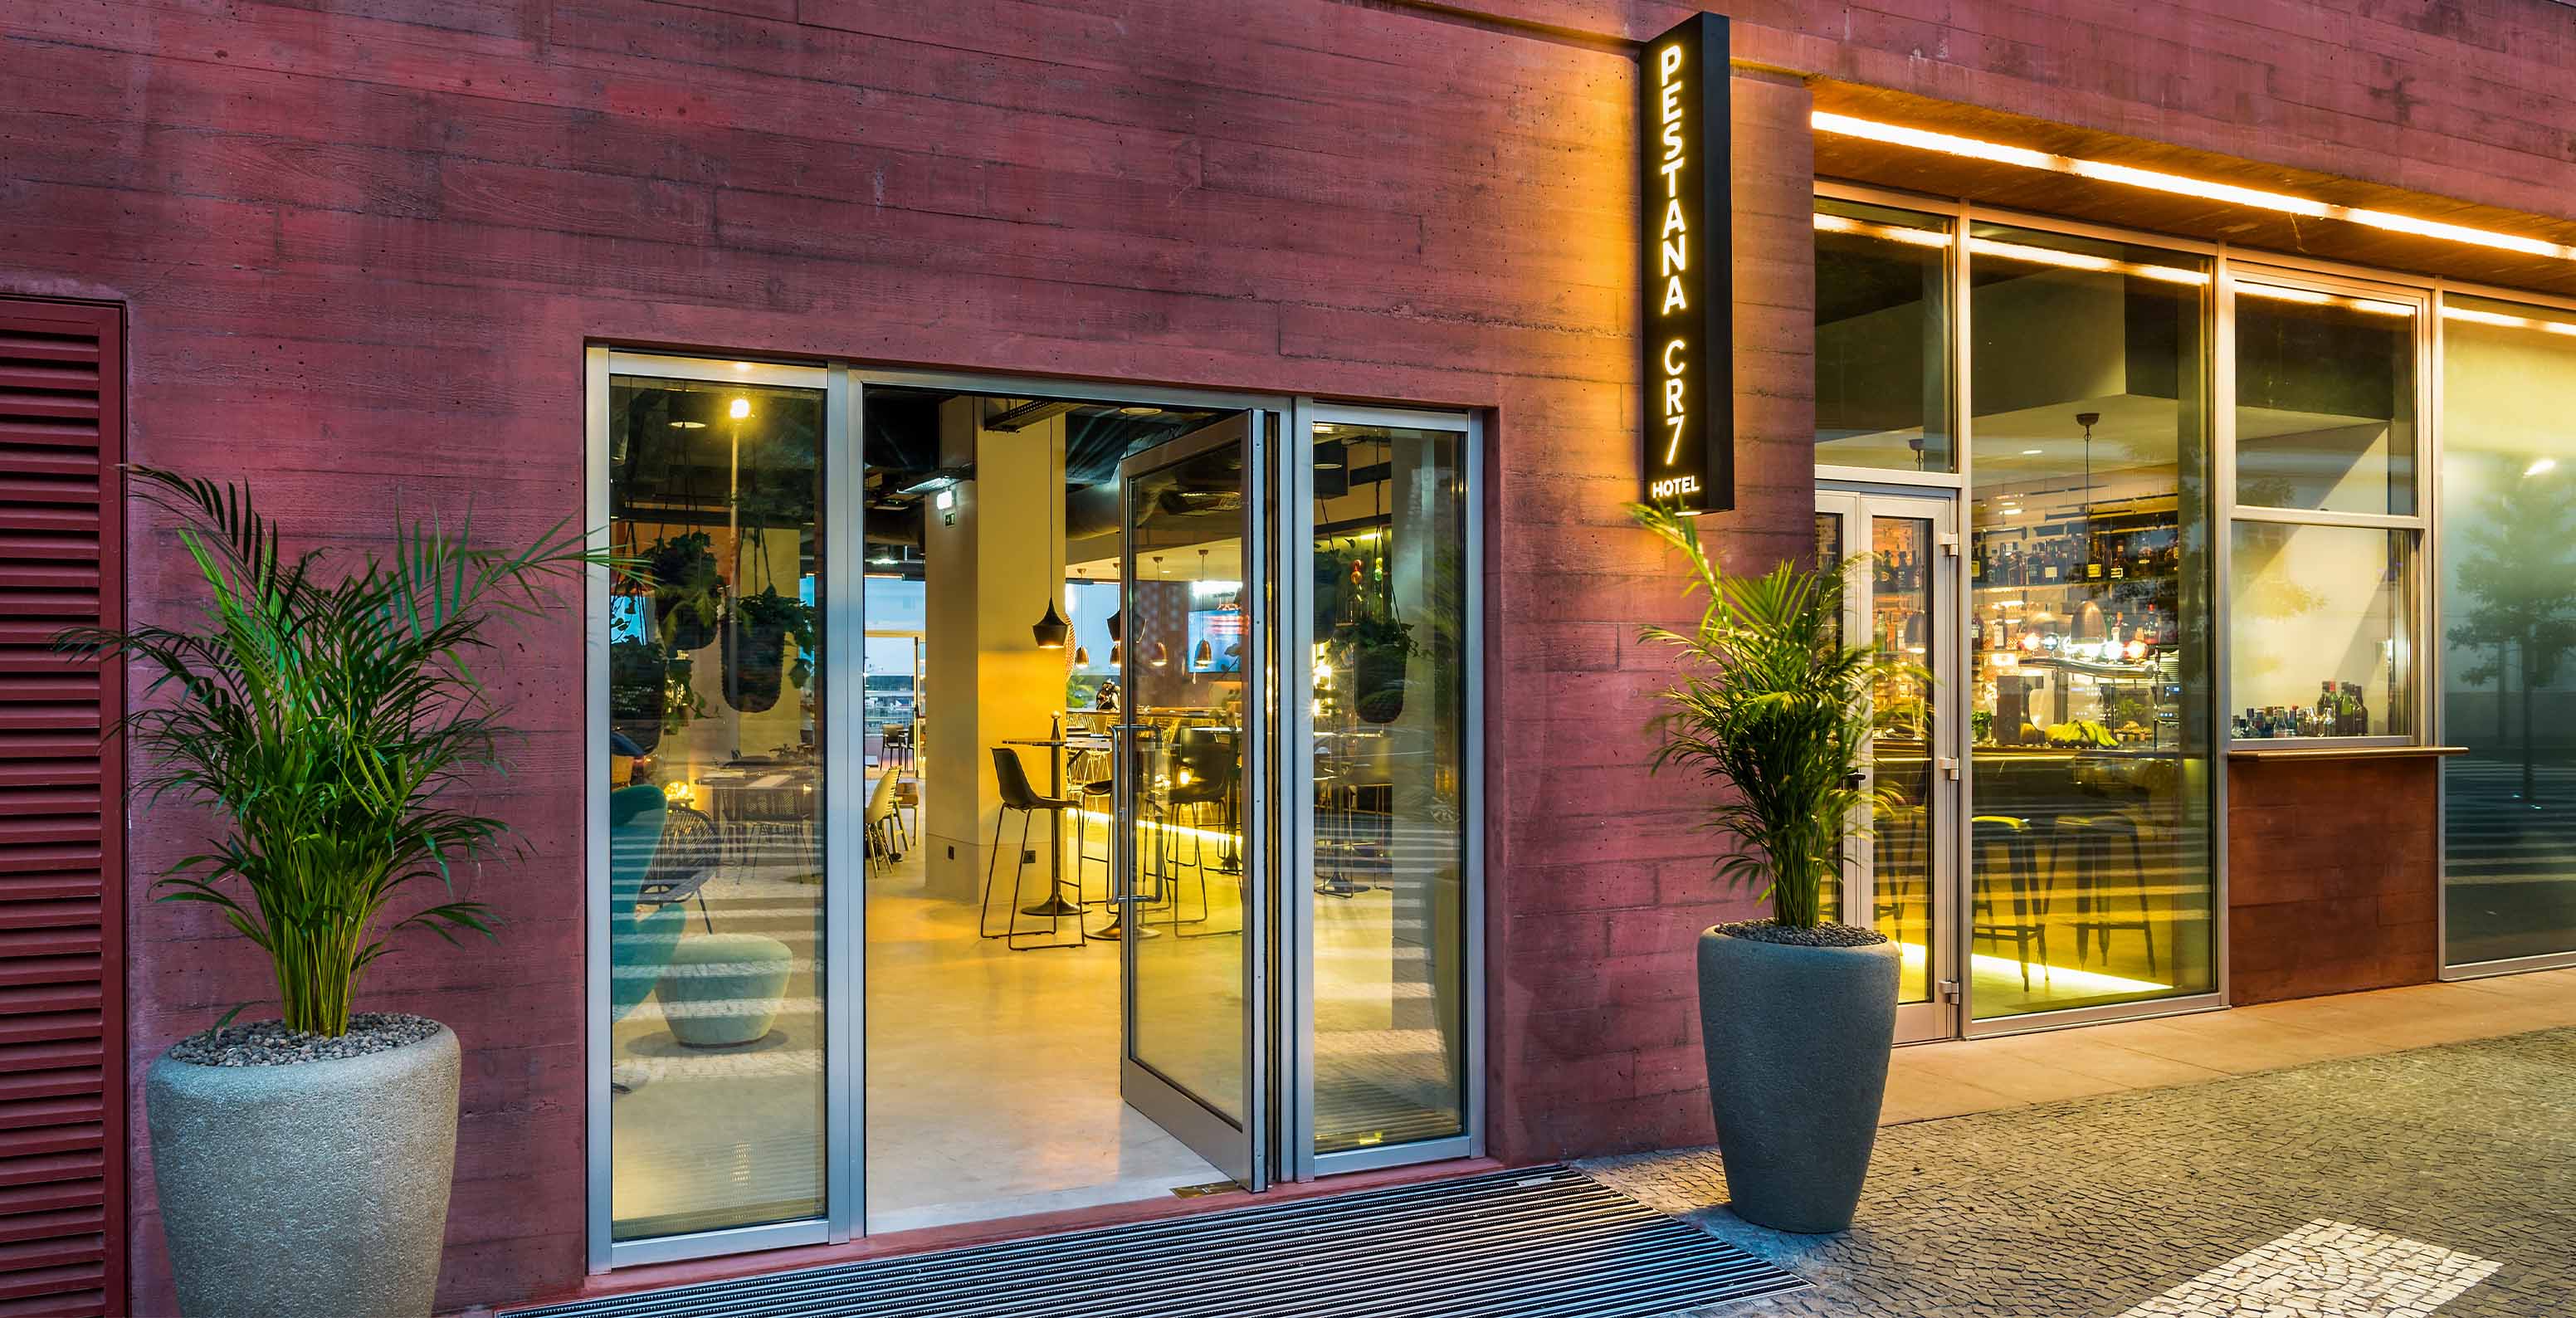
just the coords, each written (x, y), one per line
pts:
(2326, 1269)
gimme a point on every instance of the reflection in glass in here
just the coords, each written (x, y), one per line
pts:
(2321, 622)
(1901, 613)
(2508, 558)
(1185, 634)
(1882, 338)
(715, 857)
(1390, 724)
(2325, 401)
(2090, 845)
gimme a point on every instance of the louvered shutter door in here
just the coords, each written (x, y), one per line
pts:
(62, 1073)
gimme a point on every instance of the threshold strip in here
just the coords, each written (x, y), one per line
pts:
(1541, 1242)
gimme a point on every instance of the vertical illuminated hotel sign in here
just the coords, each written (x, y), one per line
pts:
(1685, 270)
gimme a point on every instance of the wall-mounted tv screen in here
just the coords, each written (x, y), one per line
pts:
(1216, 641)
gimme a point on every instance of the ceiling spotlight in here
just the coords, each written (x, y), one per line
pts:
(739, 408)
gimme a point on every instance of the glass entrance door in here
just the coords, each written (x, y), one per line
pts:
(1190, 898)
(1901, 553)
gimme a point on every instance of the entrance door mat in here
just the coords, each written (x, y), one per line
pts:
(1540, 1242)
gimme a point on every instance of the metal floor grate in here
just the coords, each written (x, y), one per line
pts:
(1542, 1242)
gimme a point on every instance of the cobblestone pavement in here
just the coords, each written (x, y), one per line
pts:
(2440, 1180)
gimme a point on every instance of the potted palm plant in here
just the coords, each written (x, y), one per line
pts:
(1797, 1012)
(303, 1162)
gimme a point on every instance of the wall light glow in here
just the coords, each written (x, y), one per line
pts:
(2156, 180)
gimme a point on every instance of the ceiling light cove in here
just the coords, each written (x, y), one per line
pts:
(1924, 139)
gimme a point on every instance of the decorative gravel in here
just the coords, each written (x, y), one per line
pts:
(270, 1043)
(1823, 935)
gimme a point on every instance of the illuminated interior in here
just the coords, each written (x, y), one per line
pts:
(1043, 578)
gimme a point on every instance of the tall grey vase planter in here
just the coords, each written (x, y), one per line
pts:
(309, 1190)
(1797, 1041)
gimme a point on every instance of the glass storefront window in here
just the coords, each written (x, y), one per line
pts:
(2325, 401)
(2321, 627)
(715, 807)
(2089, 652)
(2508, 597)
(1390, 739)
(1882, 338)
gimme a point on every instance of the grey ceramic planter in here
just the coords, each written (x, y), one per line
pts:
(1797, 1041)
(316, 1190)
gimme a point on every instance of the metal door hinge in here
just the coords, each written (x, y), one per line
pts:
(1950, 767)
(1949, 990)
(1950, 543)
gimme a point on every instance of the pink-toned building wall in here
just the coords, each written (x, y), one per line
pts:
(361, 252)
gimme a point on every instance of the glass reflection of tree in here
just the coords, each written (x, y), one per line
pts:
(2516, 575)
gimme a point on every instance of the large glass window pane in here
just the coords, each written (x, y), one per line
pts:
(1902, 609)
(715, 854)
(2508, 555)
(1882, 338)
(1390, 721)
(2325, 401)
(2322, 625)
(2090, 705)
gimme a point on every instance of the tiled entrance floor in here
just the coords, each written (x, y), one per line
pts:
(2339, 1158)
(1951, 1079)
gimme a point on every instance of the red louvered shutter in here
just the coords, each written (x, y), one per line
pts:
(62, 929)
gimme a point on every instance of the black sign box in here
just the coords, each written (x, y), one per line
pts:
(1685, 268)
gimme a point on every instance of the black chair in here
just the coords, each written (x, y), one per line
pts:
(1018, 795)
(687, 858)
(2092, 839)
(2009, 836)
(1205, 771)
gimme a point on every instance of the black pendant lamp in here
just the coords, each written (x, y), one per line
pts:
(1051, 630)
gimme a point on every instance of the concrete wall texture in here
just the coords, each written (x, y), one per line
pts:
(362, 246)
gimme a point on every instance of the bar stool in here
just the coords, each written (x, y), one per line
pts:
(2009, 836)
(2092, 837)
(1204, 774)
(1018, 795)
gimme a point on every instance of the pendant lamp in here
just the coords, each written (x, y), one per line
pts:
(1051, 629)
(1082, 656)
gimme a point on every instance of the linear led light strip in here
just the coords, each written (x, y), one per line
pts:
(2014, 251)
(2497, 318)
(1923, 139)
(2316, 299)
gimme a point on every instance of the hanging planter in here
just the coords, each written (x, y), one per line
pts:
(688, 596)
(1375, 651)
(636, 672)
(756, 637)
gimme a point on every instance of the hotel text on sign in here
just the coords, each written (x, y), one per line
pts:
(1684, 268)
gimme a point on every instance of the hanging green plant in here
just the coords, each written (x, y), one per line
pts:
(688, 595)
(1373, 649)
(756, 648)
(637, 670)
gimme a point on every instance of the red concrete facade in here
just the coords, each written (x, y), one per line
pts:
(360, 253)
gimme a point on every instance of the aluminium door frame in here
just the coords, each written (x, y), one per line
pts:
(1164, 1100)
(1962, 216)
(1296, 942)
(844, 799)
(845, 384)
(1948, 947)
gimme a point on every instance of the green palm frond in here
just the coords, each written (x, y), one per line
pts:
(325, 723)
(1772, 703)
